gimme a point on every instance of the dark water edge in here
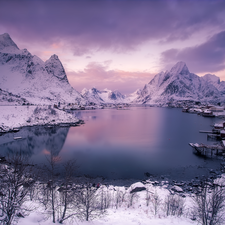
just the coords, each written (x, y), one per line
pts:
(123, 146)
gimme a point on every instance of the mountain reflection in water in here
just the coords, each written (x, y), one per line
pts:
(34, 141)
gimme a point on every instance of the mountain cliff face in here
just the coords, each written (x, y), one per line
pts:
(7, 44)
(29, 77)
(179, 84)
(105, 96)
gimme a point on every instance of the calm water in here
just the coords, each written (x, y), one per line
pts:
(122, 143)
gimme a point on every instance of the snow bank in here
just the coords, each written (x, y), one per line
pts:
(18, 116)
(122, 214)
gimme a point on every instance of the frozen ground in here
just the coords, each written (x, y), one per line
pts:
(125, 214)
(136, 213)
(18, 116)
(115, 217)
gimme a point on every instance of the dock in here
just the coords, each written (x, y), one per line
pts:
(204, 149)
(214, 136)
(214, 131)
(205, 131)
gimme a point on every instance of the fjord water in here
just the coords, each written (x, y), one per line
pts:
(122, 144)
(128, 143)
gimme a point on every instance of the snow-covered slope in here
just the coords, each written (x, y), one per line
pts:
(7, 98)
(92, 95)
(29, 77)
(19, 116)
(105, 96)
(131, 97)
(7, 45)
(180, 84)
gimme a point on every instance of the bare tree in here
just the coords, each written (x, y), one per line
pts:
(48, 194)
(156, 202)
(43, 194)
(131, 198)
(120, 197)
(104, 198)
(148, 196)
(16, 180)
(67, 190)
(87, 204)
(217, 204)
(174, 205)
(107, 198)
(210, 203)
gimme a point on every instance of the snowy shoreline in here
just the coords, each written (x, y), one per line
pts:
(15, 117)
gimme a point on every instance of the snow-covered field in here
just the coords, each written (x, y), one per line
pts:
(127, 213)
(140, 207)
(129, 207)
(119, 217)
(18, 116)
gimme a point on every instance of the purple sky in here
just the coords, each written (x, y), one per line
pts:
(120, 44)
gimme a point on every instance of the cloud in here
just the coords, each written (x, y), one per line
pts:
(99, 76)
(207, 57)
(116, 25)
(79, 51)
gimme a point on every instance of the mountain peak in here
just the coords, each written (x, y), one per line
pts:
(85, 90)
(5, 35)
(55, 67)
(7, 42)
(179, 68)
(54, 57)
(211, 78)
(94, 90)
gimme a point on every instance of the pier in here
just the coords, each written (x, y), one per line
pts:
(205, 131)
(204, 149)
(214, 136)
(214, 131)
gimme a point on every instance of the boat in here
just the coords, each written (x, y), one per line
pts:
(208, 113)
(16, 138)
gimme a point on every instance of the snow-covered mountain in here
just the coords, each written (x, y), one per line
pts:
(28, 76)
(131, 97)
(179, 84)
(105, 96)
(92, 95)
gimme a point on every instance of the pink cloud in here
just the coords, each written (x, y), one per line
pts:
(99, 76)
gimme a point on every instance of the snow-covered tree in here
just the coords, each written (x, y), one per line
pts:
(16, 181)
(210, 203)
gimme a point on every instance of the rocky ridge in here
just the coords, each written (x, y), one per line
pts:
(179, 84)
(28, 76)
(95, 96)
